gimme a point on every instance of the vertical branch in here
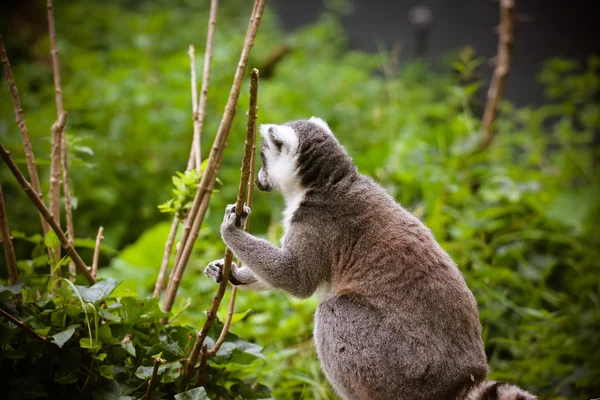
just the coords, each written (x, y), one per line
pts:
(57, 130)
(496, 90)
(59, 162)
(9, 250)
(14, 94)
(46, 214)
(197, 213)
(99, 238)
(194, 160)
(199, 111)
(164, 265)
(158, 361)
(243, 190)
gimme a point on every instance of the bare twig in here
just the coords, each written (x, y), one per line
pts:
(197, 213)
(158, 361)
(199, 111)
(505, 41)
(201, 377)
(99, 238)
(164, 265)
(24, 327)
(64, 163)
(194, 160)
(14, 94)
(57, 131)
(68, 203)
(9, 250)
(239, 208)
(37, 201)
(55, 63)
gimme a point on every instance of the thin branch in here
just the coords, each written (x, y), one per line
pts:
(55, 63)
(64, 163)
(24, 327)
(57, 131)
(99, 238)
(158, 361)
(194, 160)
(252, 111)
(245, 177)
(9, 250)
(14, 94)
(212, 352)
(68, 203)
(197, 213)
(199, 111)
(164, 265)
(37, 201)
(496, 90)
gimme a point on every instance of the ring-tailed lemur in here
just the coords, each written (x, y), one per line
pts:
(396, 320)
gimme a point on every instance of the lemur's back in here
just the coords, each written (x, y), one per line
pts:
(398, 321)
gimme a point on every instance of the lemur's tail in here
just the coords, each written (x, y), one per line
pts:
(492, 390)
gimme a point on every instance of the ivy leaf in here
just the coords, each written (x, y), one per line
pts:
(195, 394)
(107, 315)
(145, 372)
(51, 240)
(128, 346)
(6, 292)
(106, 371)
(62, 337)
(99, 291)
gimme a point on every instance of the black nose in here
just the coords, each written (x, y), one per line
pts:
(264, 188)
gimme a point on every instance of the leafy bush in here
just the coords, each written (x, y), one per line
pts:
(520, 219)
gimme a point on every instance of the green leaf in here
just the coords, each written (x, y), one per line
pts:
(128, 346)
(51, 240)
(99, 291)
(107, 315)
(198, 393)
(6, 292)
(58, 318)
(145, 372)
(87, 343)
(106, 371)
(62, 337)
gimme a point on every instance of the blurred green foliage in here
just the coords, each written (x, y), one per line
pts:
(520, 219)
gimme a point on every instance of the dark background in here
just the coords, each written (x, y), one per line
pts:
(544, 28)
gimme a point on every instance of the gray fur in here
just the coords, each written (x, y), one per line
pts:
(397, 320)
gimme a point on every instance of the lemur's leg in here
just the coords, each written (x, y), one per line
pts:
(242, 277)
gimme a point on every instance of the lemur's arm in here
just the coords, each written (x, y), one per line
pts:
(242, 277)
(279, 268)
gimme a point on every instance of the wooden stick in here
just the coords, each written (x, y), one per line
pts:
(47, 215)
(157, 363)
(496, 90)
(29, 156)
(196, 217)
(99, 238)
(199, 111)
(57, 132)
(9, 249)
(212, 352)
(24, 327)
(211, 313)
(194, 160)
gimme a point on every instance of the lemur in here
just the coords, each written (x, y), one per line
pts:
(396, 320)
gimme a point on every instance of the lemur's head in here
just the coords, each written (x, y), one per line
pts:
(301, 154)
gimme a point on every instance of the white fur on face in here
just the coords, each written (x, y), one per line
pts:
(281, 166)
(321, 123)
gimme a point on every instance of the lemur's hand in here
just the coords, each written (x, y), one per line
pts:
(214, 270)
(231, 221)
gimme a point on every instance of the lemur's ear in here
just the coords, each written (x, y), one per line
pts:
(274, 138)
(281, 136)
(320, 122)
